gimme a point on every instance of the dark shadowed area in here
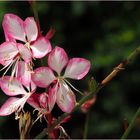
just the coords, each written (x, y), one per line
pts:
(103, 32)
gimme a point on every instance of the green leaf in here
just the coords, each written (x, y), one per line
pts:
(92, 84)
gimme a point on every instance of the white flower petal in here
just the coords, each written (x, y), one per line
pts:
(65, 98)
(13, 27)
(23, 73)
(11, 88)
(10, 106)
(43, 76)
(77, 68)
(30, 29)
(8, 51)
(57, 59)
(41, 47)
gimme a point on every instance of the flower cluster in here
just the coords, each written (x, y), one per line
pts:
(23, 44)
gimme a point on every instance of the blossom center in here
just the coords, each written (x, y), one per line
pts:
(27, 45)
(60, 78)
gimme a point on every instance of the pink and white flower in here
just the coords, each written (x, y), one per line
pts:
(76, 68)
(18, 57)
(14, 88)
(26, 31)
(43, 102)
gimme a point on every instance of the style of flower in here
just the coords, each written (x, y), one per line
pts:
(76, 68)
(14, 88)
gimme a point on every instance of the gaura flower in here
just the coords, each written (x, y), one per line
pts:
(26, 31)
(43, 103)
(76, 68)
(12, 89)
(18, 57)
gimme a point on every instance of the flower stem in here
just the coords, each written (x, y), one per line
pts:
(131, 125)
(86, 125)
(42, 134)
(34, 8)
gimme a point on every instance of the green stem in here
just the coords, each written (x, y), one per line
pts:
(33, 4)
(42, 134)
(99, 87)
(86, 125)
(131, 125)
(34, 8)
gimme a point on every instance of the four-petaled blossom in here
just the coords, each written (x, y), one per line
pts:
(26, 31)
(14, 88)
(76, 68)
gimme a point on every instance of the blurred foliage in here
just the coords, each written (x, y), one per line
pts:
(103, 32)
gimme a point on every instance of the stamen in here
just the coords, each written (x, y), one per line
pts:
(73, 87)
(9, 66)
(17, 116)
(63, 133)
(14, 69)
(35, 110)
(39, 117)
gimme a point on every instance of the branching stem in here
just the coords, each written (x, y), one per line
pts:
(131, 125)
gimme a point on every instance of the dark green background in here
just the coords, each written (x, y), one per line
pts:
(103, 32)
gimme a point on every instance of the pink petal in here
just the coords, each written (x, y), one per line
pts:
(43, 100)
(23, 73)
(43, 76)
(8, 51)
(41, 47)
(52, 97)
(13, 27)
(33, 87)
(65, 98)
(24, 53)
(57, 59)
(77, 68)
(30, 29)
(9, 106)
(33, 100)
(8, 38)
(11, 88)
